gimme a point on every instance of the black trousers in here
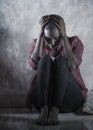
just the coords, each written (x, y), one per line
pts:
(56, 86)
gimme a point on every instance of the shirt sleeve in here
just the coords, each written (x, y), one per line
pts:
(78, 48)
(32, 63)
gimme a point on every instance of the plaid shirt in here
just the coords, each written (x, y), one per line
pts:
(77, 48)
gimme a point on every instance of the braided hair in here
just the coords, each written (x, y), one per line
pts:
(51, 19)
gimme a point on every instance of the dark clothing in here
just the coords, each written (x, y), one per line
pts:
(55, 86)
(77, 48)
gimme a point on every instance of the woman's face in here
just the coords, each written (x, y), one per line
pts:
(51, 35)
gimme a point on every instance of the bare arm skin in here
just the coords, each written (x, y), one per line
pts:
(37, 53)
(72, 61)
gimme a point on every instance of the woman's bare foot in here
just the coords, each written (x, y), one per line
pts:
(42, 120)
(53, 116)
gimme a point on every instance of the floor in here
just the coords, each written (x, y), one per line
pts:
(23, 119)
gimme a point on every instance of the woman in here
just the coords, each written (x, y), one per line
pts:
(57, 85)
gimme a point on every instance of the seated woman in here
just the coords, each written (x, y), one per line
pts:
(57, 85)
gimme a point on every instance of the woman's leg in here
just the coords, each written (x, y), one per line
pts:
(60, 72)
(43, 79)
(41, 88)
(73, 98)
(67, 94)
(61, 76)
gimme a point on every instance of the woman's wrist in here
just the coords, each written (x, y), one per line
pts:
(36, 60)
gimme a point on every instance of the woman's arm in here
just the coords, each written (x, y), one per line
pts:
(78, 49)
(72, 60)
(37, 52)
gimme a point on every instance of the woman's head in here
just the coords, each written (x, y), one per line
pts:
(51, 33)
(54, 29)
(50, 29)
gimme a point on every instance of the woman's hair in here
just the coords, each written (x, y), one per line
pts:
(51, 19)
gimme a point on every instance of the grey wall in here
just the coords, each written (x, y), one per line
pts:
(19, 24)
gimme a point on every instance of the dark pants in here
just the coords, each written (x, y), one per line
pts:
(55, 85)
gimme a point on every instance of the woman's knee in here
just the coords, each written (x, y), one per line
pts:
(61, 61)
(45, 61)
(60, 58)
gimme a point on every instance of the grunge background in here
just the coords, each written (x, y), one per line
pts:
(19, 23)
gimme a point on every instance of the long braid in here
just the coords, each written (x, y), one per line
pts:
(66, 46)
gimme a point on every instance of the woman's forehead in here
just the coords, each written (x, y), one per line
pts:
(51, 34)
(54, 32)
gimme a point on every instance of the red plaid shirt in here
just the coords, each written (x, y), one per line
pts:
(77, 48)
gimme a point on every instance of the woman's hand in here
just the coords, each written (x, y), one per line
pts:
(44, 20)
(59, 22)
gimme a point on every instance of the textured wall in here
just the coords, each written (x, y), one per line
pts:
(19, 24)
